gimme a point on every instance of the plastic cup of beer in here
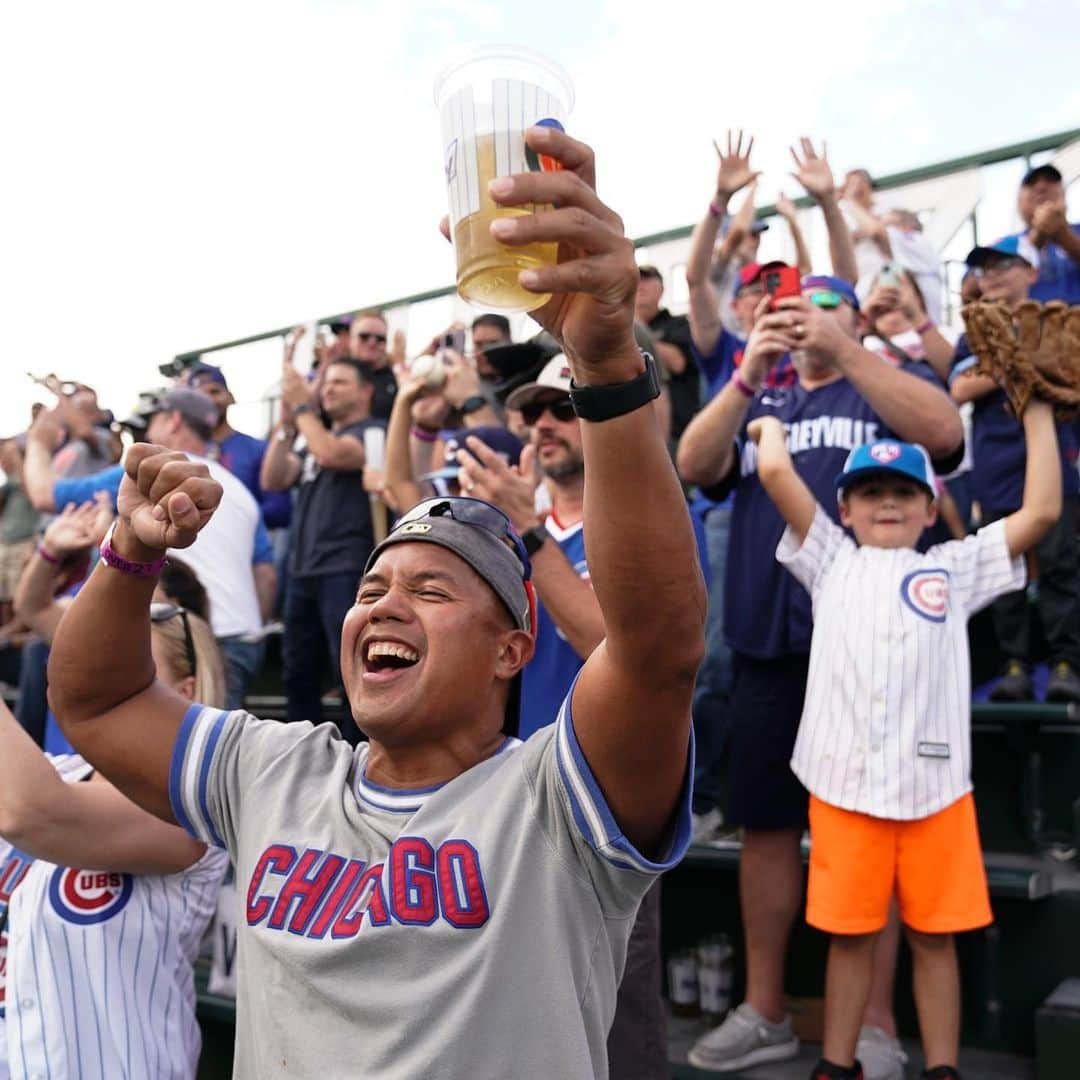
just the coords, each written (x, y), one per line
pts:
(487, 102)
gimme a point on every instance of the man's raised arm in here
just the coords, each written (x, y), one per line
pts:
(102, 684)
(631, 706)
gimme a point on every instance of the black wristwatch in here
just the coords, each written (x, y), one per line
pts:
(471, 404)
(302, 408)
(534, 539)
(599, 403)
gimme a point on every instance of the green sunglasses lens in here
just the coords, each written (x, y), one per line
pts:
(827, 298)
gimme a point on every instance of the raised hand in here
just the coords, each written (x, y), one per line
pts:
(812, 170)
(73, 530)
(1049, 222)
(591, 310)
(512, 488)
(734, 171)
(165, 498)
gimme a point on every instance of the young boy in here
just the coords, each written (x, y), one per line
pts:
(884, 742)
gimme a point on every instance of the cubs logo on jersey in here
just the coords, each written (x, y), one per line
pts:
(926, 592)
(88, 896)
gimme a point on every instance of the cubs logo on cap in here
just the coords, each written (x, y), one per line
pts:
(85, 897)
(885, 452)
(888, 456)
(926, 592)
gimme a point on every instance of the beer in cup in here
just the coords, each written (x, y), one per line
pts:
(487, 102)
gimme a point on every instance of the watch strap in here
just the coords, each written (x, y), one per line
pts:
(599, 403)
(472, 404)
(534, 539)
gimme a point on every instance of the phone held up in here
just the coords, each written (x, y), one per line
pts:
(780, 282)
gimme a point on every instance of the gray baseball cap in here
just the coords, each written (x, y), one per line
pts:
(482, 535)
(197, 409)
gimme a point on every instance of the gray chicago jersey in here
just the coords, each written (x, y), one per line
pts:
(475, 929)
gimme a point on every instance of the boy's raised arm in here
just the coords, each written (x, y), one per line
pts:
(1041, 507)
(776, 471)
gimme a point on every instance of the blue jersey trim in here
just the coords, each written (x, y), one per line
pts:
(204, 774)
(611, 844)
(176, 770)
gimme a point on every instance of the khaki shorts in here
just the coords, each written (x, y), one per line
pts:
(12, 560)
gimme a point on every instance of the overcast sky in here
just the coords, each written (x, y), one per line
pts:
(178, 175)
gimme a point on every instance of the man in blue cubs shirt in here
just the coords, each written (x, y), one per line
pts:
(844, 396)
(1008, 272)
(241, 454)
(1055, 243)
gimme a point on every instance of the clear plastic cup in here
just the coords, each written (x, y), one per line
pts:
(486, 102)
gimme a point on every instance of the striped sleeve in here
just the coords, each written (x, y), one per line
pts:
(808, 561)
(982, 569)
(193, 760)
(591, 815)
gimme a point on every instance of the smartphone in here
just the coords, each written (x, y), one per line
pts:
(889, 275)
(781, 281)
(454, 339)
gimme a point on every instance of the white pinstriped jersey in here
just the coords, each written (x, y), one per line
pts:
(886, 725)
(100, 981)
(474, 929)
(14, 866)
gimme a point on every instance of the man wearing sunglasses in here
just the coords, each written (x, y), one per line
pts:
(1007, 271)
(843, 396)
(368, 334)
(441, 902)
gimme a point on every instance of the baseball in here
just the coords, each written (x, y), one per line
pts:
(429, 368)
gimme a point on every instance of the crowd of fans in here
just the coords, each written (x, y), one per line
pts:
(379, 424)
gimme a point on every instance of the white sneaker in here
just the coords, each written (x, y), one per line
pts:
(745, 1038)
(880, 1054)
(706, 826)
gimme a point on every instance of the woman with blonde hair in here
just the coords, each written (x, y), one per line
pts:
(102, 905)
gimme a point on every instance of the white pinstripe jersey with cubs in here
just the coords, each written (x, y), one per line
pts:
(886, 724)
(99, 979)
(477, 928)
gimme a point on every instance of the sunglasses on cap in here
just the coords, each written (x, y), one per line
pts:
(475, 512)
(365, 335)
(561, 408)
(827, 299)
(160, 613)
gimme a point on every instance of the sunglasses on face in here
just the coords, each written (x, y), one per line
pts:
(160, 613)
(827, 299)
(475, 512)
(998, 267)
(363, 335)
(562, 409)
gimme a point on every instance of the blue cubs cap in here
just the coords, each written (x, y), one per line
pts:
(206, 373)
(826, 281)
(888, 456)
(1016, 247)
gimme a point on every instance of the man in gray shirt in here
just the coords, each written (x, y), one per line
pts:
(444, 901)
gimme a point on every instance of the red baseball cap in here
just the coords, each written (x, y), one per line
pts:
(752, 271)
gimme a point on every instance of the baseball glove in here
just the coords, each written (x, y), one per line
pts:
(1034, 351)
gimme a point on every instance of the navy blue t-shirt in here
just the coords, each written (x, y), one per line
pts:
(767, 612)
(998, 450)
(242, 455)
(1059, 276)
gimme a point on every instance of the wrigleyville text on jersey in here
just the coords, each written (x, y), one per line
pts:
(318, 894)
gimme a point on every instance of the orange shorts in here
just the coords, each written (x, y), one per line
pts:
(934, 866)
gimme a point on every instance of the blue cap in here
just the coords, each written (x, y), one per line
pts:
(206, 371)
(505, 443)
(889, 456)
(826, 281)
(1017, 247)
